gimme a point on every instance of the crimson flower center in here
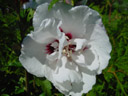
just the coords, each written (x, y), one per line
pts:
(67, 50)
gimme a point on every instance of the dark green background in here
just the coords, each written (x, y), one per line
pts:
(16, 23)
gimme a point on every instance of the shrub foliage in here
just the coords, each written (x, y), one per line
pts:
(16, 22)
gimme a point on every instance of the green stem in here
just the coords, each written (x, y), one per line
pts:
(26, 83)
(120, 84)
(109, 70)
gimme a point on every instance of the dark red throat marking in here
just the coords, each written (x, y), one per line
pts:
(61, 29)
(69, 35)
(50, 49)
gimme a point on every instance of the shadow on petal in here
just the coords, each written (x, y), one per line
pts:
(54, 65)
(87, 71)
(89, 56)
(77, 87)
(71, 66)
(33, 49)
(64, 87)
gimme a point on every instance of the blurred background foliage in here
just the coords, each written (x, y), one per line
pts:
(16, 23)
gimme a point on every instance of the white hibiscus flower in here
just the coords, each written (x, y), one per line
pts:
(69, 46)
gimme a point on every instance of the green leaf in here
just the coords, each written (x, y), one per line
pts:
(52, 3)
(43, 94)
(4, 95)
(45, 85)
(18, 90)
(30, 15)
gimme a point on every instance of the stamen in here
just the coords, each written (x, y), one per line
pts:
(68, 50)
(67, 37)
(64, 51)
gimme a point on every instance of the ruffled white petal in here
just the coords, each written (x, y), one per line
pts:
(89, 56)
(78, 27)
(100, 37)
(41, 14)
(70, 24)
(79, 59)
(47, 31)
(63, 87)
(79, 43)
(88, 82)
(88, 59)
(32, 65)
(48, 73)
(64, 73)
(66, 77)
(33, 60)
(100, 43)
(103, 57)
(52, 57)
(91, 59)
(44, 37)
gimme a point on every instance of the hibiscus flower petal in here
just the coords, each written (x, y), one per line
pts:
(79, 43)
(33, 60)
(91, 59)
(79, 59)
(41, 14)
(53, 56)
(63, 87)
(100, 43)
(77, 26)
(86, 86)
(65, 74)
(47, 32)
